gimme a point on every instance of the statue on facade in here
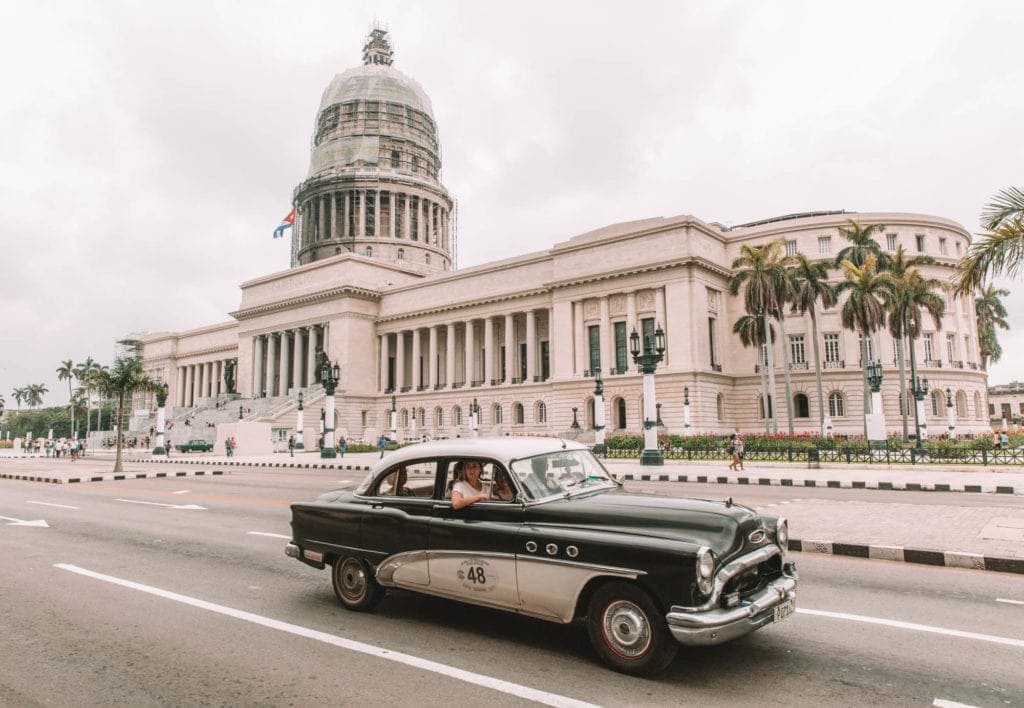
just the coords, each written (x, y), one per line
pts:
(321, 361)
(229, 375)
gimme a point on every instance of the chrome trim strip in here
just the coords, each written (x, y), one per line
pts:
(724, 624)
(729, 571)
(291, 550)
(385, 571)
(623, 572)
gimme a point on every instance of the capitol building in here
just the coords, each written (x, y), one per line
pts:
(372, 285)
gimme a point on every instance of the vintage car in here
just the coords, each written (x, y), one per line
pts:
(195, 445)
(556, 538)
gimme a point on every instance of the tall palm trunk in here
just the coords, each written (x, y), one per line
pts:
(770, 401)
(864, 366)
(785, 370)
(117, 432)
(762, 358)
(817, 373)
(904, 399)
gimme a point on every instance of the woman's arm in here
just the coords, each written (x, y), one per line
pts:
(459, 501)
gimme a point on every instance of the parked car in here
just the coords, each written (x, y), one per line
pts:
(557, 538)
(195, 446)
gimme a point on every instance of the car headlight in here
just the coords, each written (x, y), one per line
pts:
(782, 533)
(705, 569)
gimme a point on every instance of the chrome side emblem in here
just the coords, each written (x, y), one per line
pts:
(572, 551)
(757, 536)
(551, 548)
(531, 546)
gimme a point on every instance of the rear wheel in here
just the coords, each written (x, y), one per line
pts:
(627, 630)
(354, 584)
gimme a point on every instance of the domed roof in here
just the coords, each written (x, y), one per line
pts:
(376, 82)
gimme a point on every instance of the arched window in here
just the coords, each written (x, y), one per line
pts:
(395, 158)
(720, 405)
(363, 418)
(588, 414)
(405, 418)
(801, 407)
(938, 403)
(961, 404)
(457, 416)
(415, 164)
(369, 251)
(836, 405)
(421, 416)
(496, 414)
(979, 413)
(542, 412)
(439, 417)
(427, 259)
(401, 254)
(620, 413)
(517, 412)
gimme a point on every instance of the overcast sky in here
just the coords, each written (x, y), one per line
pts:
(149, 149)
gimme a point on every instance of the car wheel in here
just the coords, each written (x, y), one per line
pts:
(628, 631)
(355, 585)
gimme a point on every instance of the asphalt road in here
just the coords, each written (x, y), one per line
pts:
(128, 596)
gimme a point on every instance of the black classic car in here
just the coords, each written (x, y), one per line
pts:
(556, 537)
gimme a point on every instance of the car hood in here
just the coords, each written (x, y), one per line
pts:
(717, 524)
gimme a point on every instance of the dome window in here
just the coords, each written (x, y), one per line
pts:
(415, 163)
(395, 159)
(401, 254)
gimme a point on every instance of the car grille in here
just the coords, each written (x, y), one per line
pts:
(753, 579)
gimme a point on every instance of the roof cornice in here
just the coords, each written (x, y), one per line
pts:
(319, 296)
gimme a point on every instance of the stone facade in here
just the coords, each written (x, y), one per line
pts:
(524, 336)
(1006, 405)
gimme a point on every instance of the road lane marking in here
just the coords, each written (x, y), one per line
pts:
(942, 703)
(271, 535)
(182, 491)
(20, 522)
(917, 627)
(167, 506)
(59, 506)
(1010, 602)
(513, 689)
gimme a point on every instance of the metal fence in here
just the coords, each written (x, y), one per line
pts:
(903, 456)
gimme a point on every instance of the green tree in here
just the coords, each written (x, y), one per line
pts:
(811, 289)
(86, 372)
(868, 293)
(67, 371)
(751, 331)
(1001, 250)
(120, 382)
(862, 244)
(991, 313)
(905, 286)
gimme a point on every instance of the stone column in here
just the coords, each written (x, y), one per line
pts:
(186, 394)
(659, 319)
(488, 350)
(179, 388)
(510, 349)
(297, 358)
(449, 355)
(376, 214)
(334, 215)
(361, 233)
(285, 360)
(630, 312)
(577, 330)
(424, 231)
(432, 362)
(531, 345)
(311, 355)
(607, 336)
(218, 369)
(468, 364)
(444, 229)
(271, 363)
(321, 215)
(346, 232)
(399, 360)
(393, 213)
(407, 226)
(384, 356)
(417, 379)
(210, 388)
(257, 368)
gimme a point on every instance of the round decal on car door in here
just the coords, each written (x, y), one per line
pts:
(477, 575)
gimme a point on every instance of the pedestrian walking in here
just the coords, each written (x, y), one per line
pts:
(341, 447)
(1004, 440)
(291, 446)
(996, 440)
(736, 449)
(382, 443)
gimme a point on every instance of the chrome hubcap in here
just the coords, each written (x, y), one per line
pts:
(352, 579)
(626, 629)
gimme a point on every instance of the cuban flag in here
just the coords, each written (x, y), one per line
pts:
(286, 223)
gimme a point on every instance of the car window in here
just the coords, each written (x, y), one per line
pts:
(560, 473)
(408, 480)
(493, 478)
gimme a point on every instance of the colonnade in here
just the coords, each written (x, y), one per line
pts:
(200, 380)
(483, 351)
(361, 213)
(286, 359)
(631, 308)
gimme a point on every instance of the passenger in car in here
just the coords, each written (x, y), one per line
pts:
(394, 485)
(468, 489)
(501, 489)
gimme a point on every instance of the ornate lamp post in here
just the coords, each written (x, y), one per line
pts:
(599, 446)
(875, 420)
(647, 361)
(393, 419)
(161, 400)
(241, 413)
(299, 445)
(575, 422)
(687, 428)
(950, 414)
(474, 418)
(919, 388)
(329, 376)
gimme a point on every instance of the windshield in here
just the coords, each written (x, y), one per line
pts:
(561, 473)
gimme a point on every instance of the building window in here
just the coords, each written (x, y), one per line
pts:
(870, 348)
(760, 406)
(647, 332)
(439, 417)
(545, 360)
(961, 404)
(496, 414)
(801, 406)
(620, 413)
(928, 341)
(957, 247)
(831, 348)
(797, 353)
(790, 248)
(369, 251)
(401, 254)
(897, 346)
(951, 347)
(720, 405)
(542, 412)
(942, 246)
(621, 346)
(937, 402)
(890, 242)
(363, 418)
(920, 242)
(457, 416)
(836, 405)
(824, 245)
(978, 412)
(712, 342)
(405, 418)
(426, 259)
(594, 339)
(517, 413)
(396, 158)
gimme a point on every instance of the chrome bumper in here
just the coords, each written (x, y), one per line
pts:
(291, 550)
(721, 625)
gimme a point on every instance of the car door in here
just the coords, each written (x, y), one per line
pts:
(472, 550)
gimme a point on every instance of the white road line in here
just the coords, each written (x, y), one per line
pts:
(942, 703)
(182, 491)
(916, 627)
(1010, 602)
(271, 535)
(166, 506)
(59, 506)
(513, 689)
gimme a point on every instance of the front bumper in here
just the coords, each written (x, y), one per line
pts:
(720, 625)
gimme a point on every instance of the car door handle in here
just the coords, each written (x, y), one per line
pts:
(438, 505)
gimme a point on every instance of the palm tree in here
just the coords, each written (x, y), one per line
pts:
(751, 331)
(991, 314)
(67, 370)
(862, 244)
(85, 373)
(869, 292)
(761, 274)
(999, 251)
(19, 395)
(121, 382)
(35, 393)
(812, 287)
(899, 269)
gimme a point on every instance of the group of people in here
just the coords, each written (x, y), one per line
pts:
(63, 448)
(1000, 440)
(229, 446)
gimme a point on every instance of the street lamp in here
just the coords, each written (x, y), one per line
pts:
(474, 418)
(875, 420)
(329, 376)
(599, 446)
(919, 388)
(394, 419)
(647, 361)
(950, 414)
(161, 400)
(575, 423)
(299, 427)
(687, 428)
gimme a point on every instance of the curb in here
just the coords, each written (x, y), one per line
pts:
(112, 477)
(830, 484)
(948, 559)
(292, 465)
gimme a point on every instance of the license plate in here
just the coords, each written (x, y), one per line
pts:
(784, 610)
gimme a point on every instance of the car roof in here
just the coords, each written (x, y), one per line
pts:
(502, 449)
